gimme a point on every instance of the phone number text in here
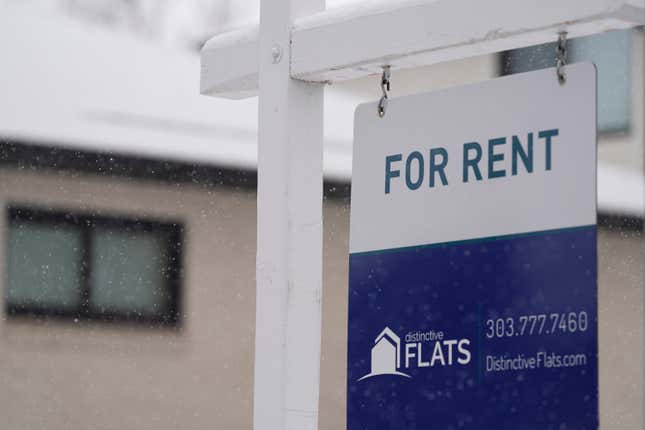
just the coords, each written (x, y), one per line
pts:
(537, 324)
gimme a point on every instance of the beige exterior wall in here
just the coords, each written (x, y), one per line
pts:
(113, 376)
(60, 375)
(621, 260)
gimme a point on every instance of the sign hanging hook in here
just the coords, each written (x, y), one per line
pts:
(385, 87)
(561, 57)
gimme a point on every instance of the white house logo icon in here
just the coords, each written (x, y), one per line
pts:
(386, 355)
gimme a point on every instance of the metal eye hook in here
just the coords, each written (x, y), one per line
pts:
(385, 87)
(561, 57)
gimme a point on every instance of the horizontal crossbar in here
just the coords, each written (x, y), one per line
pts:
(352, 42)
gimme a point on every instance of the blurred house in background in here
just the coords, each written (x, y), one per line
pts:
(127, 217)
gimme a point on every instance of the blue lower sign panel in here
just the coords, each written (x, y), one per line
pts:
(495, 333)
(473, 296)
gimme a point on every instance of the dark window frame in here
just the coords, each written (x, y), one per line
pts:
(87, 223)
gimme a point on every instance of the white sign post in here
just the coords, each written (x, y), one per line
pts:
(298, 47)
(289, 250)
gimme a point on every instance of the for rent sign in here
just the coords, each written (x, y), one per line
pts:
(472, 285)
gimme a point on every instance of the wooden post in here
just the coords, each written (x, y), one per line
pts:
(289, 246)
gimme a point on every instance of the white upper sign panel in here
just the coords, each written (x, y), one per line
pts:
(511, 155)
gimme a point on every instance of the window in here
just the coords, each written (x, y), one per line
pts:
(92, 267)
(611, 53)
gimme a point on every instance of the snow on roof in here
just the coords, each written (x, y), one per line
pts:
(73, 84)
(68, 83)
